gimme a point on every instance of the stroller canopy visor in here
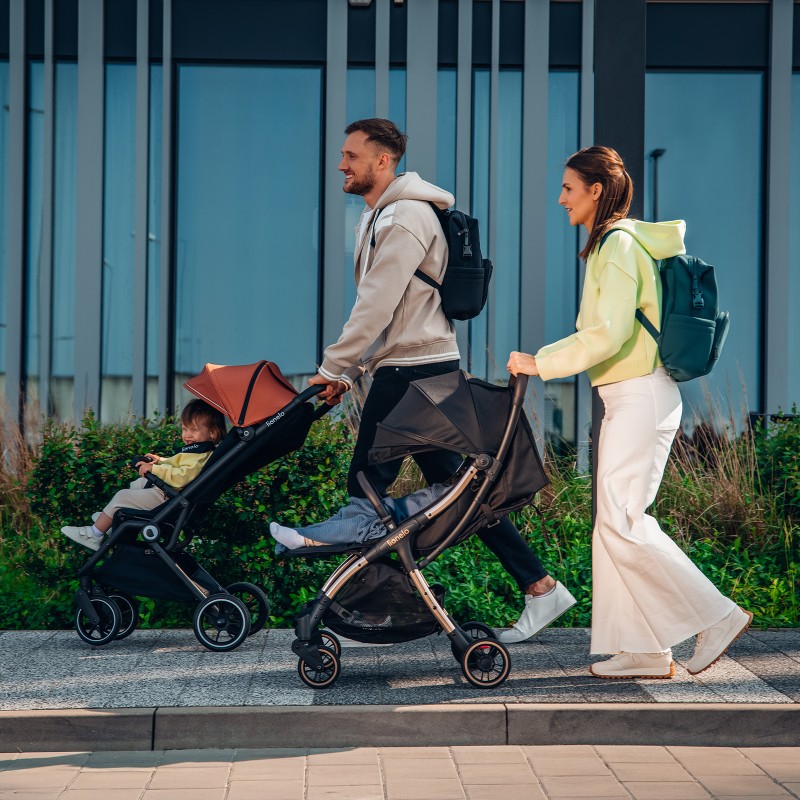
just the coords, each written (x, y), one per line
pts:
(448, 412)
(246, 394)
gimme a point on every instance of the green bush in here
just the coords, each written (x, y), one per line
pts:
(735, 513)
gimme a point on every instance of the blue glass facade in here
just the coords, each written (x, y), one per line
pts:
(239, 215)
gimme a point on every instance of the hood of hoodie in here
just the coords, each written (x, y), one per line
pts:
(660, 239)
(409, 186)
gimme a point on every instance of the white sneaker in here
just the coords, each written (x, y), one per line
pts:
(96, 516)
(635, 665)
(713, 642)
(538, 613)
(83, 535)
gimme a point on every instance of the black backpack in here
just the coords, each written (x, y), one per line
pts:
(693, 329)
(465, 285)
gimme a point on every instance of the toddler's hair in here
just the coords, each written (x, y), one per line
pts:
(200, 411)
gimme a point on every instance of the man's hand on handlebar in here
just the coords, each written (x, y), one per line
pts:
(333, 389)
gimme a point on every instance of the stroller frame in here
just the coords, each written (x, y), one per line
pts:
(485, 662)
(221, 620)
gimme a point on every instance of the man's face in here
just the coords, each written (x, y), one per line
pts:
(359, 158)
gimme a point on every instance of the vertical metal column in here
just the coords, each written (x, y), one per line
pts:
(422, 82)
(166, 334)
(619, 75)
(15, 210)
(494, 177)
(335, 122)
(382, 39)
(46, 254)
(89, 207)
(583, 390)
(778, 302)
(463, 187)
(533, 244)
(140, 333)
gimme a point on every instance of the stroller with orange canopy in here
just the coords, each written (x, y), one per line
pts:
(145, 552)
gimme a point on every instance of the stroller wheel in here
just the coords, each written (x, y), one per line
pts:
(320, 678)
(486, 663)
(105, 629)
(129, 613)
(474, 631)
(331, 641)
(255, 599)
(221, 622)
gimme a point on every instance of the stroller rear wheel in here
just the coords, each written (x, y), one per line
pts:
(255, 599)
(221, 622)
(103, 631)
(129, 612)
(323, 677)
(486, 663)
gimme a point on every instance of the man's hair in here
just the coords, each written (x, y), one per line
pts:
(383, 133)
(202, 412)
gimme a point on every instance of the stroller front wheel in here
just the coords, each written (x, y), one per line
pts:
(221, 622)
(486, 663)
(105, 629)
(323, 677)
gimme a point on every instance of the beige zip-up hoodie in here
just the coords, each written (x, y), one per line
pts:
(397, 319)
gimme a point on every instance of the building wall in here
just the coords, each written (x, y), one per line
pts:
(170, 194)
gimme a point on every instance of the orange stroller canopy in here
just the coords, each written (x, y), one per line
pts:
(245, 394)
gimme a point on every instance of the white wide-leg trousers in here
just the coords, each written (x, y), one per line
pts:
(647, 595)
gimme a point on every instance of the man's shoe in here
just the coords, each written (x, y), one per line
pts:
(539, 612)
(83, 535)
(635, 665)
(713, 642)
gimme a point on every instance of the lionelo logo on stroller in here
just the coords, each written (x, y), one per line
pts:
(378, 594)
(145, 551)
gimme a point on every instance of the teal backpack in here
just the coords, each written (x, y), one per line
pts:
(693, 329)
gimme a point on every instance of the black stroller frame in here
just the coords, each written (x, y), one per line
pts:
(485, 662)
(152, 540)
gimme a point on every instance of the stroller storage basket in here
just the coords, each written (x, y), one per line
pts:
(136, 568)
(381, 606)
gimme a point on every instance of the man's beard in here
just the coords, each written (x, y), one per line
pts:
(363, 186)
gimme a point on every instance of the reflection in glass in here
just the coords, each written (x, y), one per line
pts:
(248, 194)
(3, 193)
(119, 224)
(155, 329)
(711, 128)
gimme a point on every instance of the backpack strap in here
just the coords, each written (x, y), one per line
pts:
(374, 223)
(427, 279)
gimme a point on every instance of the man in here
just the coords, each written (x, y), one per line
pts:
(398, 332)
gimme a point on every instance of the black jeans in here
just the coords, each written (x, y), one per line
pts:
(388, 386)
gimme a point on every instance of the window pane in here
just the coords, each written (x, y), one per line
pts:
(710, 125)
(794, 244)
(446, 130)
(561, 285)
(64, 201)
(3, 193)
(119, 224)
(248, 193)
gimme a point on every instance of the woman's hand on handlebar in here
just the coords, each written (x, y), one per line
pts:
(522, 364)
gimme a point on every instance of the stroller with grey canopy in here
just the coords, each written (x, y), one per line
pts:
(378, 594)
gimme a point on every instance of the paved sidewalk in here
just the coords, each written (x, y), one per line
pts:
(161, 690)
(408, 773)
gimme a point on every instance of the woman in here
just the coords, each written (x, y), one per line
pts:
(647, 594)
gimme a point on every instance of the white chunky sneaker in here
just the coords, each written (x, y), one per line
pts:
(635, 665)
(713, 642)
(538, 613)
(83, 535)
(96, 516)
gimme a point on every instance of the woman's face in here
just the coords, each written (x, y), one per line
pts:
(579, 200)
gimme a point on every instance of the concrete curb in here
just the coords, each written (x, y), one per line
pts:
(740, 725)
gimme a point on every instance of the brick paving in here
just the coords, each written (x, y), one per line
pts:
(408, 773)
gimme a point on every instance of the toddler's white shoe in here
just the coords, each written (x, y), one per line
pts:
(83, 535)
(539, 612)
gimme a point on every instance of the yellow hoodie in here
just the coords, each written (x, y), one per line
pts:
(621, 276)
